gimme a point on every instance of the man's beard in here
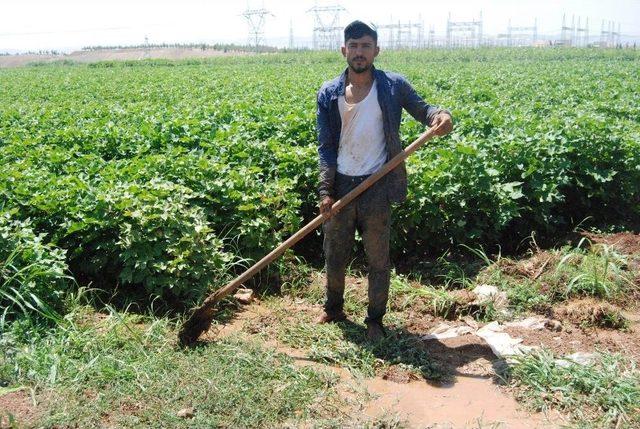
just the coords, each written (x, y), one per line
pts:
(357, 69)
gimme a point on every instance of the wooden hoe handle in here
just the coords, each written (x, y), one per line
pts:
(200, 319)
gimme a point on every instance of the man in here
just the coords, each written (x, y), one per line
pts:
(358, 121)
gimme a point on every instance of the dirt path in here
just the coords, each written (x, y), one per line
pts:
(472, 399)
(125, 54)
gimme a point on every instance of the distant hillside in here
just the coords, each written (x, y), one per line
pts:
(90, 55)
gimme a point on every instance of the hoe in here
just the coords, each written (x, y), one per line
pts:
(201, 318)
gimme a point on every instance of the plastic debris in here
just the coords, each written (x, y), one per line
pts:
(447, 331)
(502, 344)
(536, 323)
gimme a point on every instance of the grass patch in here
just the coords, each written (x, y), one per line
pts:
(550, 277)
(603, 394)
(119, 370)
(528, 295)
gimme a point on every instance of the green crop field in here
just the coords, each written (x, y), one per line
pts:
(160, 180)
(164, 174)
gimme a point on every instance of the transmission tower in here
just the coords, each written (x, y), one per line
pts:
(582, 33)
(147, 48)
(255, 20)
(567, 33)
(521, 36)
(404, 35)
(464, 33)
(609, 38)
(432, 37)
(291, 41)
(327, 33)
(615, 35)
(604, 36)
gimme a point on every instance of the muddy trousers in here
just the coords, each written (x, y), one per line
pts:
(370, 215)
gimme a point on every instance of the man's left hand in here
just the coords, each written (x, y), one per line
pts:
(442, 124)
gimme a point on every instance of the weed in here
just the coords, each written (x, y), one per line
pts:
(596, 272)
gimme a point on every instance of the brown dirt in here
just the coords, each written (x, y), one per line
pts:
(127, 406)
(463, 297)
(20, 406)
(586, 321)
(626, 243)
(420, 323)
(532, 267)
(116, 55)
(252, 319)
(466, 356)
(589, 312)
(469, 403)
(474, 394)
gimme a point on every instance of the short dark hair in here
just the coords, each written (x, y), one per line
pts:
(358, 29)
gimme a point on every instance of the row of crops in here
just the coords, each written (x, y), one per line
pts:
(163, 176)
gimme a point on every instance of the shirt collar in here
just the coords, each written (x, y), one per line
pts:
(342, 84)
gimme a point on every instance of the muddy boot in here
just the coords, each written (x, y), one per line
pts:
(330, 318)
(375, 332)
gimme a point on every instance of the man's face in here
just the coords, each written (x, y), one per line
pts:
(360, 53)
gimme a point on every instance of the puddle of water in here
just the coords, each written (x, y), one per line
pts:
(465, 403)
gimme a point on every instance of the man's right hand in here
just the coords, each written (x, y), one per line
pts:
(442, 124)
(326, 204)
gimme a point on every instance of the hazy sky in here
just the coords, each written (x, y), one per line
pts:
(70, 24)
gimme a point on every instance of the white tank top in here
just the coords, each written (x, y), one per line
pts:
(362, 148)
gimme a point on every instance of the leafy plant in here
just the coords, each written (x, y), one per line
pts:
(33, 273)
